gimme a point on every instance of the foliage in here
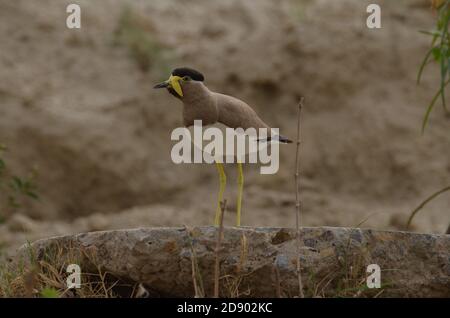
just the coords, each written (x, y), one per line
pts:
(136, 33)
(440, 53)
(14, 189)
(45, 275)
(49, 292)
(421, 205)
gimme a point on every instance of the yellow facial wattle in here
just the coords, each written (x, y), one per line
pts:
(174, 82)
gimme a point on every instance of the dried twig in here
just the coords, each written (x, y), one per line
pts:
(196, 276)
(297, 199)
(223, 206)
(277, 280)
(244, 253)
(233, 282)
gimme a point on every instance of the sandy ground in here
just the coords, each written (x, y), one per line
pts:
(79, 109)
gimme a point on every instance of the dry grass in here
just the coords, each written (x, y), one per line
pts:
(347, 279)
(227, 285)
(46, 276)
(232, 282)
(197, 280)
(223, 206)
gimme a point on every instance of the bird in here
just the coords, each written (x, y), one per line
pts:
(201, 103)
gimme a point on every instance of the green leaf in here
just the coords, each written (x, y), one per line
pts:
(435, 33)
(430, 107)
(421, 205)
(49, 292)
(12, 202)
(448, 64)
(16, 183)
(444, 69)
(424, 63)
(32, 194)
(436, 53)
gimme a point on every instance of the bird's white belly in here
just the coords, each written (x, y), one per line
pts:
(223, 144)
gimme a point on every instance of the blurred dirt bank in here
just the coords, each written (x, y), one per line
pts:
(79, 106)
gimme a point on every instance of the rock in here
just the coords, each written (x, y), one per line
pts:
(254, 262)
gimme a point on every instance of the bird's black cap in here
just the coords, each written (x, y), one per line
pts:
(186, 71)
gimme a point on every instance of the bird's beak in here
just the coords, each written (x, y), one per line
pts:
(173, 82)
(161, 85)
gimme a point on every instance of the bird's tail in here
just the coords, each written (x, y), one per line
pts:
(279, 138)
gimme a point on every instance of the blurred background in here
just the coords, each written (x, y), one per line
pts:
(90, 138)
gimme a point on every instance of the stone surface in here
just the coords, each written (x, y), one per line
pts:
(255, 261)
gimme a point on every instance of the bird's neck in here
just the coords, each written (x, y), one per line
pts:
(194, 92)
(199, 103)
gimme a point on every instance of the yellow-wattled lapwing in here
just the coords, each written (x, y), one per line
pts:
(200, 103)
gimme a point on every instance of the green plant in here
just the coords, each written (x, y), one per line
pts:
(136, 33)
(440, 53)
(49, 292)
(13, 189)
(421, 205)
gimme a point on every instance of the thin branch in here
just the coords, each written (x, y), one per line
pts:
(223, 206)
(431, 197)
(194, 279)
(196, 276)
(297, 199)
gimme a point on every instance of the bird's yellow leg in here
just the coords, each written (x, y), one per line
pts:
(223, 182)
(240, 191)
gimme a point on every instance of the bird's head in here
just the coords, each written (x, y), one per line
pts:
(180, 77)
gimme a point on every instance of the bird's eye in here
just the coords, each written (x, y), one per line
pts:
(186, 78)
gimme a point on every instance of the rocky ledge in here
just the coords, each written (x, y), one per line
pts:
(261, 262)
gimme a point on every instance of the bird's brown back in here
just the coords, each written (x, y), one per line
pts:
(199, 103)
(235, 113)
